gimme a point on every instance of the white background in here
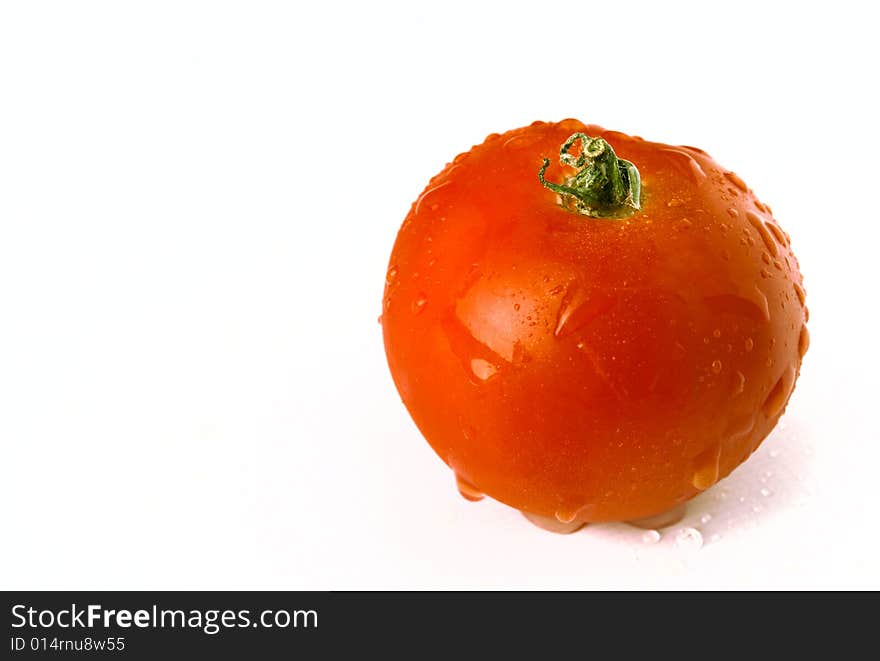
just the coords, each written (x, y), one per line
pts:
(197, 204)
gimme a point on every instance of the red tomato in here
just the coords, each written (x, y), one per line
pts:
(592, 368)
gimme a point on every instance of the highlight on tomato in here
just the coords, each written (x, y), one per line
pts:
(598, 337)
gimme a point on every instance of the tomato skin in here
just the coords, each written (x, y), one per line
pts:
(592, 369)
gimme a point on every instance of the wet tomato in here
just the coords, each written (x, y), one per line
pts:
(600, 348)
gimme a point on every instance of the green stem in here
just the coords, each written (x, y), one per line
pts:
(604, 187)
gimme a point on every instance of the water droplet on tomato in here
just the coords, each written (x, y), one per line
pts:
(801, 294)
(564, 516)
(706, 468)
(760, 299)
(689, 539)
(552, 524)
(803, 341)
(483, 369)
(391, 275)
(739, 383)
(751, 303)
(379, 319)
(750, 344)
(736, 181)
(662, 520)
(716, 366)
(769, 243)
(777, 233)
(580, 307)
(692, 166)
(467, 490)
(651, 537)
(778, 395)
(428, 192)
(419, 304)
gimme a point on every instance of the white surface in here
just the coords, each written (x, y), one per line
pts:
(197, 204)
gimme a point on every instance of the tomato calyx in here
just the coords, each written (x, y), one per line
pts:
(604, 186)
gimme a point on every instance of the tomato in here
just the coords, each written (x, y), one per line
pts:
(587, 362)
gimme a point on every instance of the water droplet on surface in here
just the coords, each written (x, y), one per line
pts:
(716, 366)
(419, 304)
(483, 369)
(467, 490)
(707, 468)
(689, 539)
(516, 306)
(750, 344)
(716, 332)
(715, 538)
(766, 492)
(391, 275)
(757, 508)
(801, 294)
(651, 537)
(705, 519)
(733, 212)
(774, 453)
